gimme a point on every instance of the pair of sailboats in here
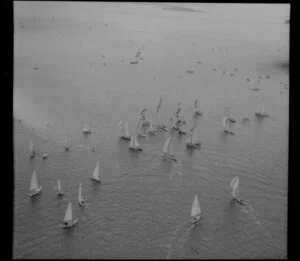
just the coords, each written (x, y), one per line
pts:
(61, 193)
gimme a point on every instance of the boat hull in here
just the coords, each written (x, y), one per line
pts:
(169, 158)
(67, 148)
(195, 219)
(261, 115)
(152, 132)
(36, 192)
(141, 135)
(182, 132)
(60, 193)
(146, 123)
(193, 145)
(86, 131)
(231, 120)
(163, 127)
(125, 138)
(95, 180)
(198, 113)
(81, 203)
(135, 149)
(70, 224)
(228, 132)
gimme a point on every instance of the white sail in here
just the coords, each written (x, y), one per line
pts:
(79, 193)
(225, 123)
(132, 141)
(58, 185)
(234, 184)
(195, 211)
(126, 129)
(31, 146)
(166, 145)
(96, 171)
(136, 143)
(68, 215)
(34, 182)
(86, 127)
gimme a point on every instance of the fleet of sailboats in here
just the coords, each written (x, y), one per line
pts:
(195, 211)
(68, 221)
(35, 189)
(96, 174)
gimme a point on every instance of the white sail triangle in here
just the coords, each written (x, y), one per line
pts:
(58, 185)
(96, 171)
(234, 184)
(126, 129)
(79, 193)
(132, 141)
(166, 145)
(68, 215)
(225, 123)
(195, 207)
(34, 182)
(31, 146)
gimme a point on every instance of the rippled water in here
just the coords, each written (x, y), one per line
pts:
(72, 65)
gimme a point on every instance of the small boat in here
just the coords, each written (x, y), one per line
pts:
(193, 142)
(234, 184)
(134, 145)
(261, 113)
(68, 219)
(151, 130)
(31, 149)
(197, 111)
(67, 146)
(60, 192)
(182, 131)
(245, 118)
(86, 129)
(35, 189)
(80, 198)
(195, 211)
(167, 150)
(124, 130)
(145, 122)
(161, 126)
(225, 123)
(96, 174)
(45, 155)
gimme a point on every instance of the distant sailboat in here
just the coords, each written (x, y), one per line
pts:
(31, 149)
(245, 117)
(60, 192)
(68, 219)
(195, 211)
(192, 141)
(124, 130)
(167, 150)
(197, 111)
(225, 124)
(45, 155)
(234, 184)
(96, 174)
(86, 129)
(143, 117)
(134, 144)
(80, 198)
(67, 146)
(160, 125)
(151, 130)
(35, 189)
(261, 113)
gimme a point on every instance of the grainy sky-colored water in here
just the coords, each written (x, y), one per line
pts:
(72, 65)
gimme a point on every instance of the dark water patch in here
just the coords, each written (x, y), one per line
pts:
(199, 62)
(282, 65)
(189, 71)
(214, 69)
(35, 68)
(255, 89)
(268, 77)
(248, 80)
(232, 74)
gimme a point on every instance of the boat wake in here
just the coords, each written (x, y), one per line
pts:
(179, 237)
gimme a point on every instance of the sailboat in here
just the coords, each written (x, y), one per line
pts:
(96, 174)
(35, 189)
(60, 192)
(195, 211)
(151, 130)
(143, 117)
(261, 113)
(68, 219)
(245, 117)
(67, 146)
(167, 150)
(197, 111)
(193, 142)
(80, 198)
(161, 126)
(225, 124)
(86, 129)
(230, 118)
(45, 155)
(124, 130)
(31, 149)
(134, 144)
(234, 184)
